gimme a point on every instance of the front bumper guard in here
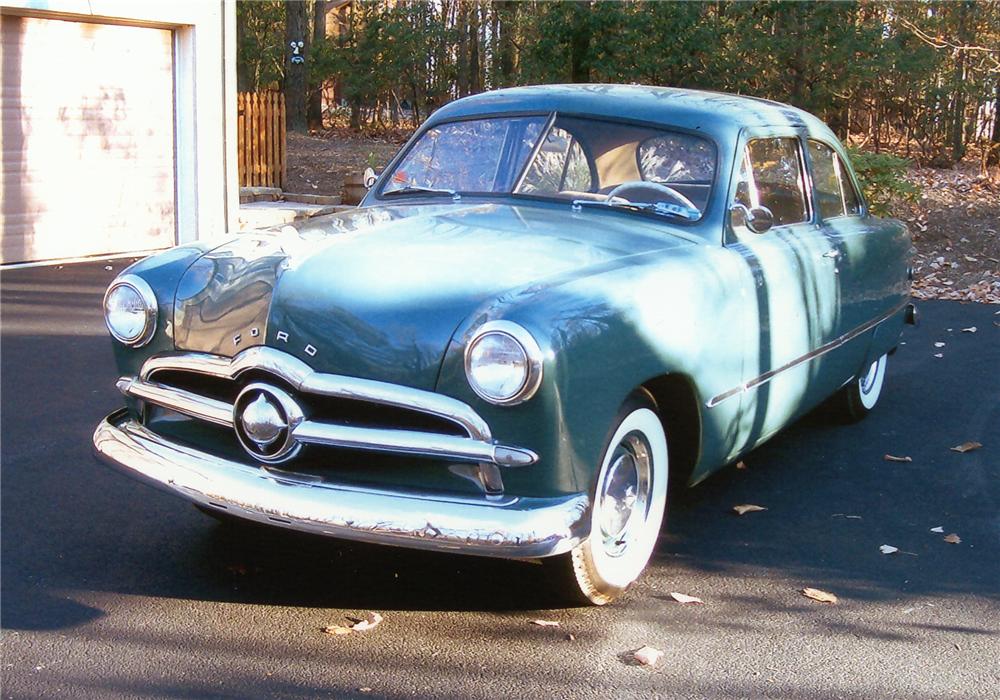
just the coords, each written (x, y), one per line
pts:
(495, 526)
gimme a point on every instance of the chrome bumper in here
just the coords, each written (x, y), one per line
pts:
(497, 526)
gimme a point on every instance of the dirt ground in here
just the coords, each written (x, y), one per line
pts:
(956, 233)
(321, 164)
(955, 224)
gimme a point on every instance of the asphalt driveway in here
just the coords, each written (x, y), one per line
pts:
(111, 589)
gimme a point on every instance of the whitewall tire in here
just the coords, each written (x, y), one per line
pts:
(863, 393)
(629, 498)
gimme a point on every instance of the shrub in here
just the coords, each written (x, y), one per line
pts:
(883, 179)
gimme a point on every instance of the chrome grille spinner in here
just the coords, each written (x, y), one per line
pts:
(271, 425)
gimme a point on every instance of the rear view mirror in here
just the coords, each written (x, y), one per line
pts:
(757, 219)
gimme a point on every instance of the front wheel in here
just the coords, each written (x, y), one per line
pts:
(860, 396)
(628, 504)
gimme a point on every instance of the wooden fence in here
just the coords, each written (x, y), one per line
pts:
(261, 128)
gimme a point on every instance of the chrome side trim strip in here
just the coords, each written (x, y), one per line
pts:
(812, 355)
(304, 378)
(494, 526)
(412, 442)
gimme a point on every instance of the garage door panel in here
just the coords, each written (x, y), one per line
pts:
(88, 139)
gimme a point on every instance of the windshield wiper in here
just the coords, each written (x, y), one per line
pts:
(660, 208)
(402, 191)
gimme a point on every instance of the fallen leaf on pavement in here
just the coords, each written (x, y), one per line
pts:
(647, 656)
(545, 623)
(888, 549)
(819, 596)
(939, 345)
(685, 598)
(938, 354)
(570, 637)
(966, 447)
(953, 539)
(937, 529)
(370, 622)
(745, 508)
(970, 329)
(894, 458)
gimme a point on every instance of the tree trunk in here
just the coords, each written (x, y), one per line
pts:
(580, 43)
(957, 136)
(314, 107)
(475, 84)
(507, 21)
(295, 71)
(994, 145)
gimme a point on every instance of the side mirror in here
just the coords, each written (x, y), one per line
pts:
(758, 219)
(369, 178)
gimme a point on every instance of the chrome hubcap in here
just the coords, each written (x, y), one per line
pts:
(624, 494)
(868, 380)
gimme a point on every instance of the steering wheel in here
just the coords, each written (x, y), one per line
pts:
(651, 192)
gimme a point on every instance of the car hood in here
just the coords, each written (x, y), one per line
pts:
(378, 292)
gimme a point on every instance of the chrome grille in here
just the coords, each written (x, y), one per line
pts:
(338, 411)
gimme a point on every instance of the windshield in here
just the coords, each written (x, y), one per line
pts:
(580, 160)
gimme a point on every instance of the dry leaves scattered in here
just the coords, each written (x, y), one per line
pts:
(370, 622)
(647, 656)
(686, 599)
(937, 529)
(970, 329)
(966, 447)
(888, 549)
(819, 596)
(745, 508)
(894, 458)
(953, 539)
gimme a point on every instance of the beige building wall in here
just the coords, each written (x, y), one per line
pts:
(118, 125)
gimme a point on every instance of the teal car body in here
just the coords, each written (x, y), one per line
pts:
(733, 334)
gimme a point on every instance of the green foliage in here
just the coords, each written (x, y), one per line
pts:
(883, 179)
(915, 78)
(260, 40)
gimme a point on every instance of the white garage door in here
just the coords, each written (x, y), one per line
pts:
(87, 139)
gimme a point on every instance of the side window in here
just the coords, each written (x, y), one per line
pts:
(771, 176)
(835, 193)
(560, 165)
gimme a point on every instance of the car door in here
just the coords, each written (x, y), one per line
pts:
(872, 259)
(797, 286)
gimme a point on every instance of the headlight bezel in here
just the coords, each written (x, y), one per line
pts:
(148, 298)
(532, 352)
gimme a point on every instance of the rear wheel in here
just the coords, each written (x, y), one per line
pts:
(858, 398)
(628, 503)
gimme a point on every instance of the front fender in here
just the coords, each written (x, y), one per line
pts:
(602, 337)
(162, 272)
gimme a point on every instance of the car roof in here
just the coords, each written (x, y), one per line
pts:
(712, 112)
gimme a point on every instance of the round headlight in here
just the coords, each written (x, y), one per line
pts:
(503, 363)
(130, 310)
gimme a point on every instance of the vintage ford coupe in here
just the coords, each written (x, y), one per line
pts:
(554, 301)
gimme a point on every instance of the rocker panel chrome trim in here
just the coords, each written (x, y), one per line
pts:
(812, 355)
(498, 526)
